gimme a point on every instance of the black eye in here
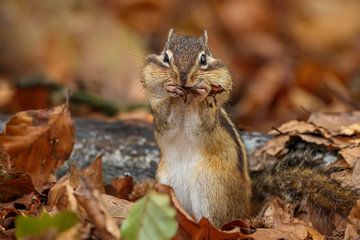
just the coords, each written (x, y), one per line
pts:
(166, 58)
(203, 59)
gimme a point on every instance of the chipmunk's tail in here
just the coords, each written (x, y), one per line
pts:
(300, 179)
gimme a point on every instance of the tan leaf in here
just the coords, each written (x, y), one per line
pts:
(278, 215)
(90, 199)
(351, 154)
(346, 123)
(94, 173)
(118, 208)
(274, 146)
(315, 139)
(293, 127)
(61, 194)
(352, 230)
(38, 142)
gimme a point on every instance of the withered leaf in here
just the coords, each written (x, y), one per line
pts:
(351, 154)
(190, 229)
(120, 187)
(94, 173)
(352, 230)
(346, 123)
(14, 184)
(89, 198)
(38, 142)
(295, 127)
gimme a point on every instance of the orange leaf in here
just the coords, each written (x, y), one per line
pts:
(38, 142)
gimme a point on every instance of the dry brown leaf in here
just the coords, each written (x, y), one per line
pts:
(315, 139)
(90, 200)
(352, 230)
(61, 194)
(118, 208)
(28, 204)
(356, 175)
(274, 146)
(278, 215)
(294, 127)
(141, 188)
(94, 173)
(351, 154)
(120, 187)
(346, 123)
(189, 229)
(14, 184)
(38, 142)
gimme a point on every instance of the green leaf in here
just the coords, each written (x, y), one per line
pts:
(34, 226)
(152, 217)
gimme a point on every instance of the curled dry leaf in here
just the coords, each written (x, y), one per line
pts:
(14, 184)
(120, 187)
(118, 208)
(347, 123)
(351, 154)
(94, 173)
(274, 146)
(293, 127)
(279, 215)
(28, 204)
(190, 229)
(352, 230)
(38, 142)
(61, 194)
(90, 200)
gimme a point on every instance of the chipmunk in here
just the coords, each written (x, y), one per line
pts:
(202, 155)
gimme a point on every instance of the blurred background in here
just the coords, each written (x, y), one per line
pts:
(288, 58)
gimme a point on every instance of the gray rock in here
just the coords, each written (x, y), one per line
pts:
(127, 147)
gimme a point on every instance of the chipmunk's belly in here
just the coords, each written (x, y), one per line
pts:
(180, 156)
(179, 171)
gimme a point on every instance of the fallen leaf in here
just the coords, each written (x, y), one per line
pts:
(117, 208)
(351, 154)
(190, 229)
(38, 142)
(152, 217)
(274, 146)
(294, 127)
(356, 175)
(352, 230)
(278, 215)
(61, 194)
(14, 184)
(120, 187)
(45, 226)
(346, 123)
(94, 173)
(89, 198)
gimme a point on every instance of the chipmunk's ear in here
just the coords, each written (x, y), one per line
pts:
(171, 34)
(205, 37)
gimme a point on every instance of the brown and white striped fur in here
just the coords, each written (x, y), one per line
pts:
(202, 155)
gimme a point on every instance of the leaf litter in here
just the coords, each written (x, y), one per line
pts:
(127, 210)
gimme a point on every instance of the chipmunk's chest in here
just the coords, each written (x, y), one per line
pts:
(180, 155)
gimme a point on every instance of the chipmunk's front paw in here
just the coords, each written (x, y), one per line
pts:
(174, 90)
(201, 91)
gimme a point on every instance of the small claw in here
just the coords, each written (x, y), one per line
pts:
(174, 90)
(216, 89)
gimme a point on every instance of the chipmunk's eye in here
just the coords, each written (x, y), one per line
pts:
(166, 58)
(203, 59)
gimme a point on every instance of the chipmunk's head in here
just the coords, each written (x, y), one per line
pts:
(185, 60)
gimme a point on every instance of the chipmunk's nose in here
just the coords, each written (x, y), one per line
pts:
(183, 77)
